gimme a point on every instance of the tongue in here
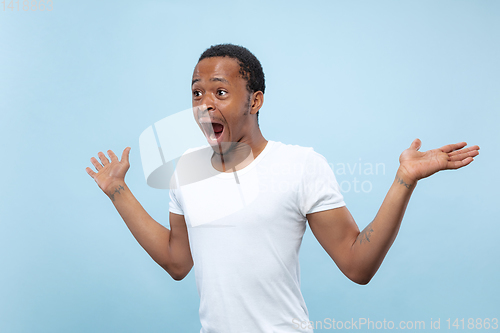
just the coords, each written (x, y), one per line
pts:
(217, 127)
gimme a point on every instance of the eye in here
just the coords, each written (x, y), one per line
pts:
(221, 92)
(196, 93)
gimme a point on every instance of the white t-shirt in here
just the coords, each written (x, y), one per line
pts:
(245, 232)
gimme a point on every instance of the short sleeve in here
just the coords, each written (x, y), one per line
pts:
(174, 205)
(319, 189)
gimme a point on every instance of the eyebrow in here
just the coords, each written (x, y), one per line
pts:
(219, 79)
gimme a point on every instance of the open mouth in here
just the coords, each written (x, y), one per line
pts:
(213, 131)
(217, 131)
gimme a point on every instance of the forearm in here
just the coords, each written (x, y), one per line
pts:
(158, 241)
(372, 244)
(359, 254)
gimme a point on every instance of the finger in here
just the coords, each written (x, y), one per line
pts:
(96, 164)
(452, 147)
(125, 154)
(416, 144)
(458, 152)
(112, 156)
(90, 172)
(103, 158)
(459, 164)
(462, 155)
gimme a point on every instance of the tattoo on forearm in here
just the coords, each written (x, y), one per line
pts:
(364, 236)
(402, 182)
(117, 190)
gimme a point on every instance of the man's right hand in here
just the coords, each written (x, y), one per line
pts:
(109, 173)
(169, 248)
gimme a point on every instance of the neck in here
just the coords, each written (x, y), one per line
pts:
(236, 156)
(257, 142)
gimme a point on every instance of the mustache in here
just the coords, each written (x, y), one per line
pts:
(203, 111)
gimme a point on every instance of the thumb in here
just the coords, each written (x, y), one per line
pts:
(416, 144)
(125, 154)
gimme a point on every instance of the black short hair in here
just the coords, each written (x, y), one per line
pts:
(250, 67)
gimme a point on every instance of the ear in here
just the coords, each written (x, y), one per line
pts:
(256, 102)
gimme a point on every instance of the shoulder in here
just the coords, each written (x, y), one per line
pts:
(290, 150)
(192, 150)
(195, 155)
(296, 152)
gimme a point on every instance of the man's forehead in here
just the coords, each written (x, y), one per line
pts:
(217, 69)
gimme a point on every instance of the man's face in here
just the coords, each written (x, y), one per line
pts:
(221, 101)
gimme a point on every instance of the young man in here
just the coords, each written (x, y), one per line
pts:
(246, 259)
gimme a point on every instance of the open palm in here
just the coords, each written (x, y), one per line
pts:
(109, 172)
(417, 165)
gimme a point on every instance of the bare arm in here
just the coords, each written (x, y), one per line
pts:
(169, 248)
(360, 254)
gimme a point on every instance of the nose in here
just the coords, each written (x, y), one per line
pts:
(203, 110)
(205, 105)
(208, 100)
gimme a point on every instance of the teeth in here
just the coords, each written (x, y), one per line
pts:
(212, 136)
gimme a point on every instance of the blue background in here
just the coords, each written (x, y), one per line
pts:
(356, 80)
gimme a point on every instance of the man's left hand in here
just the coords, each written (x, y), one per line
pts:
(416, 165)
